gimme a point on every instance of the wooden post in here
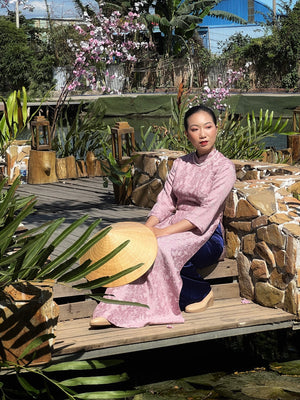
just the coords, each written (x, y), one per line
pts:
(61, 168)
(41, 167)
(91, 164)
(66, 168)
(71, 167)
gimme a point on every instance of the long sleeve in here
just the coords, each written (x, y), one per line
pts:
(196, 190)
(166, 200)
(212, 205)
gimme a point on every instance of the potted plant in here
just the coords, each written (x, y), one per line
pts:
(120, 174)
(28, 313)
(74, 141)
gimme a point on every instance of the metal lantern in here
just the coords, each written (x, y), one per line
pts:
(40, 134)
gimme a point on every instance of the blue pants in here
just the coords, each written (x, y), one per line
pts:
(195, 288)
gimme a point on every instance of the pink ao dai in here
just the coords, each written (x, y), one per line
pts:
(196, 190)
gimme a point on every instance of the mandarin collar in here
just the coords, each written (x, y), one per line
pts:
(206, 157)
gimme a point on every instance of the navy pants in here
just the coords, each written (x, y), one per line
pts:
(195, 288)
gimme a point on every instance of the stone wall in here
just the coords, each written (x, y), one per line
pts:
(262, 231)
(261, 221)
(150, 172)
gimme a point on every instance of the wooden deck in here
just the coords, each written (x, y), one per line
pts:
(75, 340)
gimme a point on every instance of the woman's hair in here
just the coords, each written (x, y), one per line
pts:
(196, 109)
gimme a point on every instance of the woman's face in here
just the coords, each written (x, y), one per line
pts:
(201, 132)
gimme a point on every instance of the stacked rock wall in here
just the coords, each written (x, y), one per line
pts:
(261, 220)
(262, 231)
(150, 173)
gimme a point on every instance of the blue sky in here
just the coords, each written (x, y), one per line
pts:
(66, 9)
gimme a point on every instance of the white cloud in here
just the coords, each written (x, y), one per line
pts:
(38, 5)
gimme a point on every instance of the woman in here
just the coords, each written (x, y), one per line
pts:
(187, 215)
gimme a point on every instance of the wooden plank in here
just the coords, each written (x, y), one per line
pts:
(75, 338)
(224, 268)
(78, 310)
(62, 291)
(226, 290)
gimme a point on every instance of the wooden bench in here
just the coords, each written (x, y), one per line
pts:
(74, 304)
(229, 316)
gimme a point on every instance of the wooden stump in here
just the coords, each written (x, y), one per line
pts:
(91, 163)
(81, 169)
(66, 168)
(71, 167)
(41, 167)
(98, 171)
(61, 168)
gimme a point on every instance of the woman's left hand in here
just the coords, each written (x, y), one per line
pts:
(158, 231)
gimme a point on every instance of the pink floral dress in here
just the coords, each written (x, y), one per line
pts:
(196, 190)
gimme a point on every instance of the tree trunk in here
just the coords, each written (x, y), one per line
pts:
(41, 167)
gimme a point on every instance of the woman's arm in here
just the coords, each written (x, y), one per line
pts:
(181, 226)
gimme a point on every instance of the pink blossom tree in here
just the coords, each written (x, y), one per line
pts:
(215, 96)
(106, 40)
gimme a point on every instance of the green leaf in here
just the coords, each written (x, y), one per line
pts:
(80, 272)
(83, 365)
(116, 394)
(95, 380)
(112, 301)
(55, 268)
(35, 344)
(104, 281)
(31, 390)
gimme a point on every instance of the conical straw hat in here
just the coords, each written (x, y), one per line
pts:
(142, 248)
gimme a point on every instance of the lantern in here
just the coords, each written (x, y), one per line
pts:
(40, 134)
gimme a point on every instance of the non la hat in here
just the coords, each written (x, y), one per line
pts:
(142, 248)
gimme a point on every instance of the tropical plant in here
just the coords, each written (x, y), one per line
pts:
(155, 137)
(25, 256)
(86, 133)
(120, 174)
(80, 380)
(14, 117)
(244, 138)
(238, 138)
